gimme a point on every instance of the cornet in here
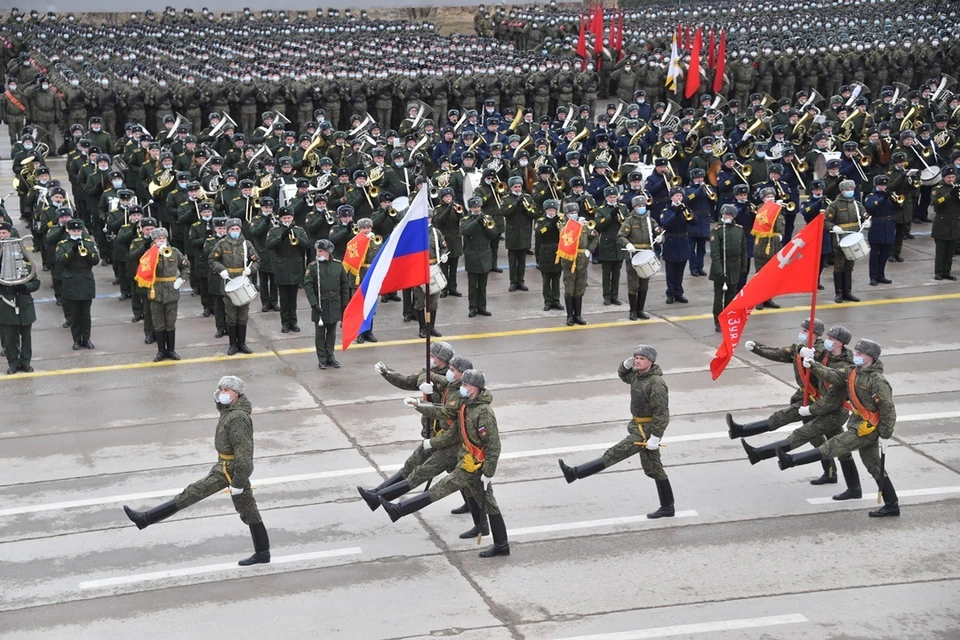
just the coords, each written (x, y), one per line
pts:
(294, 240)
(488, 222)
(896, 197)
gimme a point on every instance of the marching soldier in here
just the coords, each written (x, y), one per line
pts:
(728, 260)
(871, 423)
(17, 315)
(172, 268)
(327, 288)
(233, 441)
(478, 231)
(288, 243)
(76, 256)
(232, 257)
(649, 405)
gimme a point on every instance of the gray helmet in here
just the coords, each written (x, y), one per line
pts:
(474, 377)
(818, 327)
(460, 363)
(840, 333)
(646, 351)
(868, 348)
(442, 350)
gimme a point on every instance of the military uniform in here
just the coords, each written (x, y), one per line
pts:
(289, 246)
(327, 288)
(728, 265)
(946, 229)
(610, 219)
(477, 260)
(446, 218)
(76, 260)
(547, 239)
(140, 296)
(844, 213)
(637, 229)
(233, 257)
(165, 299)
(575, 275)
(17, 315)
(519, 213)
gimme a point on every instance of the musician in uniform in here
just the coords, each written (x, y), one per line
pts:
(649, 406)
(609, 219)
(907, 187)
(813, 207)
(843, 215)
(637, 233)
(699, 198)
(257, 231)
(288, 244)
(172, 268)
(438, 255)
(546, 240)
(575, 269)
(657, 187)
(141, 240)
(17, 313)
(76, 256)
(946, 224)
(728, 260)
(232, 257)
(674, 221)
(327, 287)
(214, 285)
(478, 231)
(446, 218)
(519, 213)
(881, 208)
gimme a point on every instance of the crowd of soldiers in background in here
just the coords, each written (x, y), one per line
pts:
(515, 148)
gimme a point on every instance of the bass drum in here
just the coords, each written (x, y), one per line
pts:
(820, 166)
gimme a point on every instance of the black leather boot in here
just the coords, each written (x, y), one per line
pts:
(405, 507)
(501, 545)
(242, 339)
(665, 491)
(172, 345)
(891, 506)
(394, 479)
(838, 287)
(848, 287)
(423, 324)
(829, 475)
(480, 527)
(767, 451)
(232, 332)
(632, 299)
(735, 430)
(433, 325)
(462, 509)
(578, 310)
(582, 471)
(144, 519)
(161, 338)
(852, 478)
(261, 546)
(785, 460)
(641, 303)
(568, 302)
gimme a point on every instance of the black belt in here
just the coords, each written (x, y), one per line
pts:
(675, 235)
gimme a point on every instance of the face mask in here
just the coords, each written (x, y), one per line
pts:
(463, 392)
(573, 216)
(802, 337)
(223, 398)
(231, 183)
(727, 221)
(160, 243)
(322, 258)
(641, 210)
(75, 237)
(235, 235)
(117, 184)
(398, 164)
(858, 360)
(449, 375)
(829, 344)
(848, 194)
(761, 154)
(206, 218)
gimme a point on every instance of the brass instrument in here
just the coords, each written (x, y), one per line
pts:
(896, 197)
(591, 224)
(720, 146)
(393, 213)
(865, 160)
(375, 175)
(798, 168)
(642, 131)
(744, 169)
(377, 240)
(528, 204)
(488, 222)
(709, 192)
(668, 150)
(575, 144)
(517, 119)
(675, 180)
(802, 166)
(942, 138)
(16, 267)
(588, 206)
(355, 229)
(166, 252)
(82, 250)
(501, 188)
(908, 119)
(294, 240)
(781, 194)
(372, 192)
(687, 214)
(457, 208)
(329, 218)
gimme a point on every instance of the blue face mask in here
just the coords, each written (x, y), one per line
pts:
(463, 392)
(802, 336)
(235, 235)
(641, 210)
(848, 194)
(761, 154)
(117, 184)
(858, 360)
(829, 344)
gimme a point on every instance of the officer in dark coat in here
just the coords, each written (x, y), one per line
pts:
(609, 218)
(883, 230)
(477, 231)
(328, 291)
(446, 218)
(810, 209)
(76, 256)
(701, 205)
(728, 260)
(658, 186)
(676, 246)
(546, 241)
(288, 244)
(946, 224)
(17, 315)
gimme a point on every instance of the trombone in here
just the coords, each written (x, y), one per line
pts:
(789, 204)
(674, 179)
(798, 168)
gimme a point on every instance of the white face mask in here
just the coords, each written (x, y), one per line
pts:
(223, 398)
(449, 375)
(463, 392)
(802, 336)
(829, 344)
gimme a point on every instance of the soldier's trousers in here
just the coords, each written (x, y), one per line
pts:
(248, 121)
(722, 298)
(219, 312)
(14, 124)
(449, 269)
(235, 315)
(214, 482)
(943, 260)
(541, 106)
(406, 296)
(848, 441)
(78, 314)
(288, 304)
(419, 299)
(164, 315)
(473, 483)
(818, 430)
(18, 343)
(516, 264)
(674, 272)
(477, 291)
(268, 289)
(649, 460)
(332, 110)
(206, 300)
(879, 254)
(48, 135)
(840, 262)
(574, 283)
(551, 287)
(144, 296)
(325, 341)
(610, 277)
(126, 282)
(698, 249)
(495, 250)
(423, 465)
(383, 117)
(635, 283)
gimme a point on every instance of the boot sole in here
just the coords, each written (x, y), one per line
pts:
(254, 560)
(852, 496)
(887, 514)
(656, 515)
(494, 552)
(466, 535)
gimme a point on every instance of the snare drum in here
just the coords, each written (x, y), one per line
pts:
(240, 291)
(645, 263)
(854, 246)
(438, 281)
(930, 176)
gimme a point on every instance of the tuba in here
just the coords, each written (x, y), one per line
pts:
(161, 182)
(16, 267)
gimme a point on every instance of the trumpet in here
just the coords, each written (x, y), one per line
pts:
(616, 176)
(82, 250)
(687, 214)
(528, 204)
(166, 252)
(329, 218)
(488, 222)
(294, 240)
(457, 208)
(591, 225)
(377, 240)
(709, 192)
(355, 229)
(897, 198)
(372, 192)
(391, 212)
(588, 206)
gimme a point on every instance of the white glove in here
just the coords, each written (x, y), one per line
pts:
(412, 402)
(426, 445)
(319, 322)
(630, 248)
(370, 234)
(884, 443)
(246, 271)
(586, 252)
(380, 368)
(426, 388)
(750, 345)
(178, 283)
(225, 275)
(804, 411)
(234, 491)
(443, 258)
(628, 363)
(836, 229)
(866, 224)
(806, 352)
(807, 363)
(653, 443)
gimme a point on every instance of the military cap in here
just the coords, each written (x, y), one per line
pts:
(306, 137)
(385, 196)
(285, 211)
(576, 181)
(817, 184)
(660, 162)
(200, 153)
(167, 118)
(924, 128)
(733, 103)
(706, 140)
(645, 351)
(277, 126)
(675, 191)
(740, 189)
(76, 127)
(246, 183)
(359, 173)
(544, 119)
(5, 226)
(344, 211)
(492, 121)
(570, 207)
(442, 350)
(148, 222)
(324, 245)
(446, 191)
(860, 102)
(840, 333)
(881, 180)
(193, 186)
(600, 164)
(84, 142)
(610, 191)
(267, 201)
(206, 205)
(514, 181)
(847, 184)
(238, 137)
(269, 161)
(58, 191)
(818, 326)
(104, 157)
(489, 173)
(474, 378)
(44, 169)
(634, 176)
(302, 182)
(775, 168)
(468, 155)
(833, 164)
(95, 120)
(343, 171)
(64, 212)
(319, 197)
(325, 161)
(638, 201)
(459, 363)
(75, 224)
(572, 155)
(949, 171)
(728, 210)
(231, 382)
(124, 194)
(788, 150)
(159, 232)
(907, 134)
(727, 157)
(136, 209)
(768, 191)
(698, 173)
(868, 348)
(545, 169)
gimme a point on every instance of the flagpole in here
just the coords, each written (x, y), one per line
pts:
(813, 313)
(427, 317)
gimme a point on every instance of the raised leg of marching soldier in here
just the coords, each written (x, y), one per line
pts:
(610, 270)
(420, 466)
(419, 299)
(637, 294)
(517, 266)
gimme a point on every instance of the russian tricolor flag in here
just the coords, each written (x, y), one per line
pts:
(403, 262)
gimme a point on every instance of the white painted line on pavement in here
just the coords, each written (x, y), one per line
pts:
(870, 496)
(320, 475)
(592, 524)
(214, 568)
(699, 627)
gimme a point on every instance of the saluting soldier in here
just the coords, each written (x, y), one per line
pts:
(17, 315)
(288, 243)
(728, 260)
(172, 269)
(650, 408)
(327, 288)
(233, 441)
(232, 257)
(76, 256)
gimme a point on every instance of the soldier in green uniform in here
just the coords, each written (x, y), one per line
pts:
(438, 255)
(519, 212)
(173, 269)
(233, 441)
(610, 217)
(475, 425)
(446, 218)
(946, 224)
(477, 231)
(289, 244)
(844, 215)
(768, 243)
(17, 314)
(546, 240)
(76, 257)
(650, 407)
(637, 233)
(197, 236)
(141, 238)
(327, 288)
(214, 285)
(871, 423)
(232, 257)
(575, 270)
(728, 260)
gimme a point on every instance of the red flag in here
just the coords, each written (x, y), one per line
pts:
(597, 29)
(680, 36)
(686, 38)
(620, 35)
(795, 269)
(711, 60)
(721, 63)
(582, 44)
(613, 34)
(693, 73)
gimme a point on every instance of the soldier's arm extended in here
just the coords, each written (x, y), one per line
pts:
(490, 436)
(438, 411)
(240, 432)
(406, 382)
(777, 354)
(830, 375)
(449, 436)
